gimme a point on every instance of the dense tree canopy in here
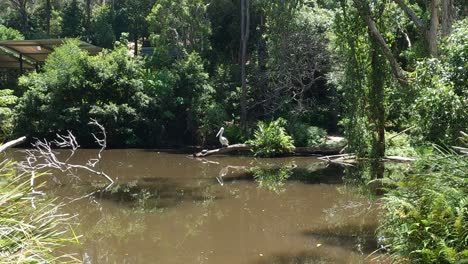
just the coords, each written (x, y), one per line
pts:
(354, 67)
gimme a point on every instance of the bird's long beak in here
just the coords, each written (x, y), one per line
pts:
(219, 132)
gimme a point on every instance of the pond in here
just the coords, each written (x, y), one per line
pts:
(169, 208)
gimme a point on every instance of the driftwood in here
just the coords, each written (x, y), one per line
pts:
(12, 143)
(399, 158)
(231, 148)
(300, 151)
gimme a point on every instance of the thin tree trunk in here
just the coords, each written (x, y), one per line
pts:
(135, 49)
(88, 17)
(24, 17)
(262, 64)
(377, 37)
(245, 23)
(448, 16)
(429, 32)
(48, 15)
(433, 26)
(377, 108)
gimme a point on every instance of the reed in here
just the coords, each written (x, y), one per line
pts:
(32, 226)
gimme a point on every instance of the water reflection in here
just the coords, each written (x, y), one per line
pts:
(167, 208)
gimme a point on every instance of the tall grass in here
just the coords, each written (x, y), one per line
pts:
(32, 228)
(426, 216)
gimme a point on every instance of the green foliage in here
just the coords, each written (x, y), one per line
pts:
(271, 139)
(399, 145)
(180, 24)
(439, 112)
(7, 101)
(440, 109)
(72, 19)
(426, 216)
(101, 27)
(308, 136)
(7, 33)
(74, 87)
(234, 133)
(32, 227)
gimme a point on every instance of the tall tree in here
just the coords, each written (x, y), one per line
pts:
(87, 20)
(72, 25)
(48, 11)
(137, 25)
(427, 29)
(21, 6)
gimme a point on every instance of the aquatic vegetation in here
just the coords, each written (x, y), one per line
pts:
(32, 227)
(426, 216)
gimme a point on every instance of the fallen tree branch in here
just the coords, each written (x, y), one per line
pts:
(399, 133)
(399, 158)
(12, 143)
(299, 151)
(228, 149)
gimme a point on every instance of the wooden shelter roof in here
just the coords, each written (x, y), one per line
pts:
(28, 54)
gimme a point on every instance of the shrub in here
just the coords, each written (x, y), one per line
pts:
(399, 145)
(426, 216)
(271, 140)
(75, 87)
(440, 109)
(308, 136)
(7, 100)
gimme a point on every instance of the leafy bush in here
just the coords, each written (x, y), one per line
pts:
(7, 33)
(426, 216)
(308, 136)
(399, 145)
(74, 87)
(440, 109)
(7, 100)
(271, 140)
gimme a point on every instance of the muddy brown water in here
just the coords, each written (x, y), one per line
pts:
(169, 208)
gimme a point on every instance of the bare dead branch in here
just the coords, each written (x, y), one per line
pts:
(42, 156)
(12, 143)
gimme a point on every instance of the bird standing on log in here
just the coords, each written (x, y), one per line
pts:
(224, 141)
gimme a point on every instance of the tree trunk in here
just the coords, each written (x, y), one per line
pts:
(88, 17)
(245, 23)
(262, 64)
(377, 108)
(429, 32)
(433, 26)
(448, 16)
(397, 72)
(24, 17)
(48, 15)
(135, 49)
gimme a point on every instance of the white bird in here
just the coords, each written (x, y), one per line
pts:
(224, 141)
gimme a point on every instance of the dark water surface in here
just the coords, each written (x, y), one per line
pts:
(168, 208)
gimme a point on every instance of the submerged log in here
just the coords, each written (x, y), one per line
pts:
(12, 143)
